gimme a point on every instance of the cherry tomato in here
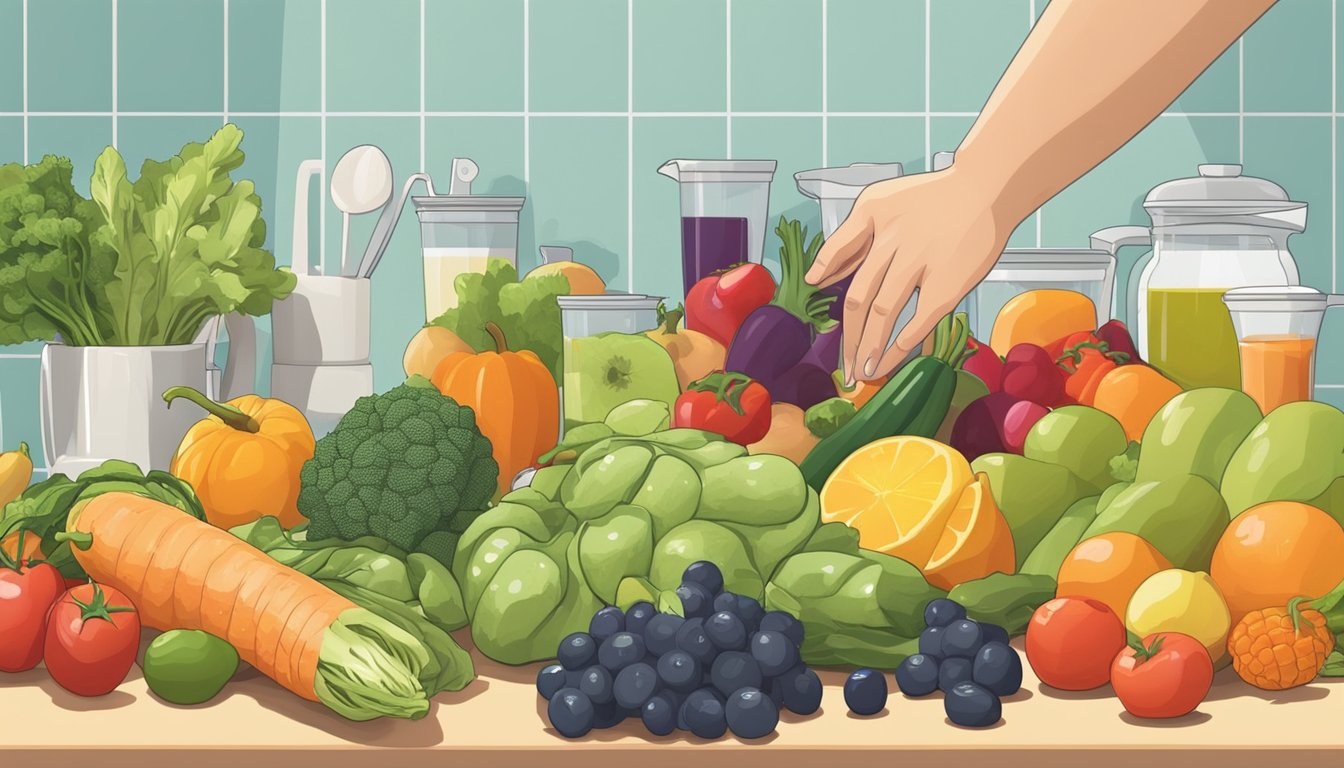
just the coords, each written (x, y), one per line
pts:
(93, 634)
(1071, 642)
(1167, 676)
(731, 404)
(26, 594)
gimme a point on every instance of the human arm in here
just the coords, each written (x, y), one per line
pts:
(1088, 78)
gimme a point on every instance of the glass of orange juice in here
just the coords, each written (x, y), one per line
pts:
(1277, 327)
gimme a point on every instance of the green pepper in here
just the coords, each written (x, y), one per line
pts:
(1295, 454)
(188, 666)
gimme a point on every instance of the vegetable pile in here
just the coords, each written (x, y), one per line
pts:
(143, 263)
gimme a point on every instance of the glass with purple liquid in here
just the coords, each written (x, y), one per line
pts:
(724, 206)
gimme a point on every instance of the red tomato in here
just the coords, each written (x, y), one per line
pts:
(730, 404)
(93, 633)
(718, 304)
(26, 594)
(1167, 676)
(1071, 642)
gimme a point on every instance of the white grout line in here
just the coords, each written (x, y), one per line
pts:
(825, 73)
(25, 81)
(1330, 386)
(322, 141)
(928, 105)
(226, 62)
(728, 77)
(630, 145)
(114, 72)
(18, 356)
(527, 94)
(422, 85)
(433, 113)
(1334, 149)
(1241, 100)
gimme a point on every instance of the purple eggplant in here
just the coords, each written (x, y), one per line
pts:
(803, 385)
(837, 309)
(825, 350)
(770, 341)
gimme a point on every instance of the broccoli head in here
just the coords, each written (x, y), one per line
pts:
(408, 466)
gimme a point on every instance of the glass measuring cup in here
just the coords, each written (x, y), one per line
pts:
(598, 329)
(1277, 328)
(724, 204)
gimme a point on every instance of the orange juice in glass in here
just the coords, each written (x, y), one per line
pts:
(1276, 337)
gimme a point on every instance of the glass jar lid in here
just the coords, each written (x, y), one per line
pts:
(1277, 298)
(1222, 196)
(468, 203)
(845, 181)
(609, 302)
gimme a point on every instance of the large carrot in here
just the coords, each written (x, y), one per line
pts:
(183, 573)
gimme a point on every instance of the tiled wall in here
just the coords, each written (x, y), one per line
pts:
(576, 102)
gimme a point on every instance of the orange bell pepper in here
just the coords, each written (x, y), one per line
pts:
(1086, 363)
(1133, 394)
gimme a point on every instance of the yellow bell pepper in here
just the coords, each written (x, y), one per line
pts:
(244, 459)
(16, 471)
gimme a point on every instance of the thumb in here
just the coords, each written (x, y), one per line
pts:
(841, 253)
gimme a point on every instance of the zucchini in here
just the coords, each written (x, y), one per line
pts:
(913, 402)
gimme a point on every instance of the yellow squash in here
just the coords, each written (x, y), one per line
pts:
(244, 458)
(16, 471)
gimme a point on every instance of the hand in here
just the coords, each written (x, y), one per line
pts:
(936, 233)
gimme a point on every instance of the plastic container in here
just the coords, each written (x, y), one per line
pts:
(582, 318)
(724, 206)
(458, 235)
(1089, 272)
(1277, 328)
(836, 189)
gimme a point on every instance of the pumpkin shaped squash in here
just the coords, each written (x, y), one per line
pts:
(243, 460)
(516, 402)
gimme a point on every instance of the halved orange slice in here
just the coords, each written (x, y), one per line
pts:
(976, 542)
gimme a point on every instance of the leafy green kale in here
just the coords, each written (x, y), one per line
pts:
(525, 310)
(408, 466)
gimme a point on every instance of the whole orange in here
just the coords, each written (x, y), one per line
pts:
(1109, 567)
(1275, 552)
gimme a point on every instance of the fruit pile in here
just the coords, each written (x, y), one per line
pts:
(724, 664)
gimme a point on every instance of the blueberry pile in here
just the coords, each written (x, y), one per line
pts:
(971, 663)
(727, 664)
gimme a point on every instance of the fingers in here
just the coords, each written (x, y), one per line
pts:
(842, 252)
(858, 300)
(898, 284)
(936, 300)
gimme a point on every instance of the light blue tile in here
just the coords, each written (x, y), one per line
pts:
(19, 417)
(78, 138)
(159, 138)
(496, 145)
(795, 143)
(668, 76)
(70, 64)
(170, 56)
(373, 56)
(275, 59)
(274, 147)
(876, 51)
(1216, 89)
(11, 55)
(1288, 58)
(1331, 395)
(11, 140)
(1292, 152)
(656, 261)
(398, 302)
(946, 133)
(876, 140)
(579, 190)
(776, 56)
(474, 55)
(972, 42)
(578, 56)
(1330, 350)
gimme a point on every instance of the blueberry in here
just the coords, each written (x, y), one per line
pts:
(953, 671)
(572, 678)
(773, 652)
(704, 715)
(606, 623)
(696, 601)
(941, 612)
(751, 714)
(992, 633)
(692, 639)
(726, 601)
(802, 690)
(549, 680)
(998, 669)
(595, 683)
(706, 574)
(972, 706)
(726, 631)
(785, 624)
(734, 670)
(866, 692)
(774, 688)
(680, 671)
(917, 675)
(962, 638)
(577, 651)
(660, 714)
(638, 617)
(608, 715)
(660, 636)
(749, 610)
(634, 685)
(571, 713)
(931, 642)
(620, 651)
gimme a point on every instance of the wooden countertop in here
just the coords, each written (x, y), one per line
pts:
(500, 719)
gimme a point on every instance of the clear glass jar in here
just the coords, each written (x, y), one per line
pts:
(584, 321)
